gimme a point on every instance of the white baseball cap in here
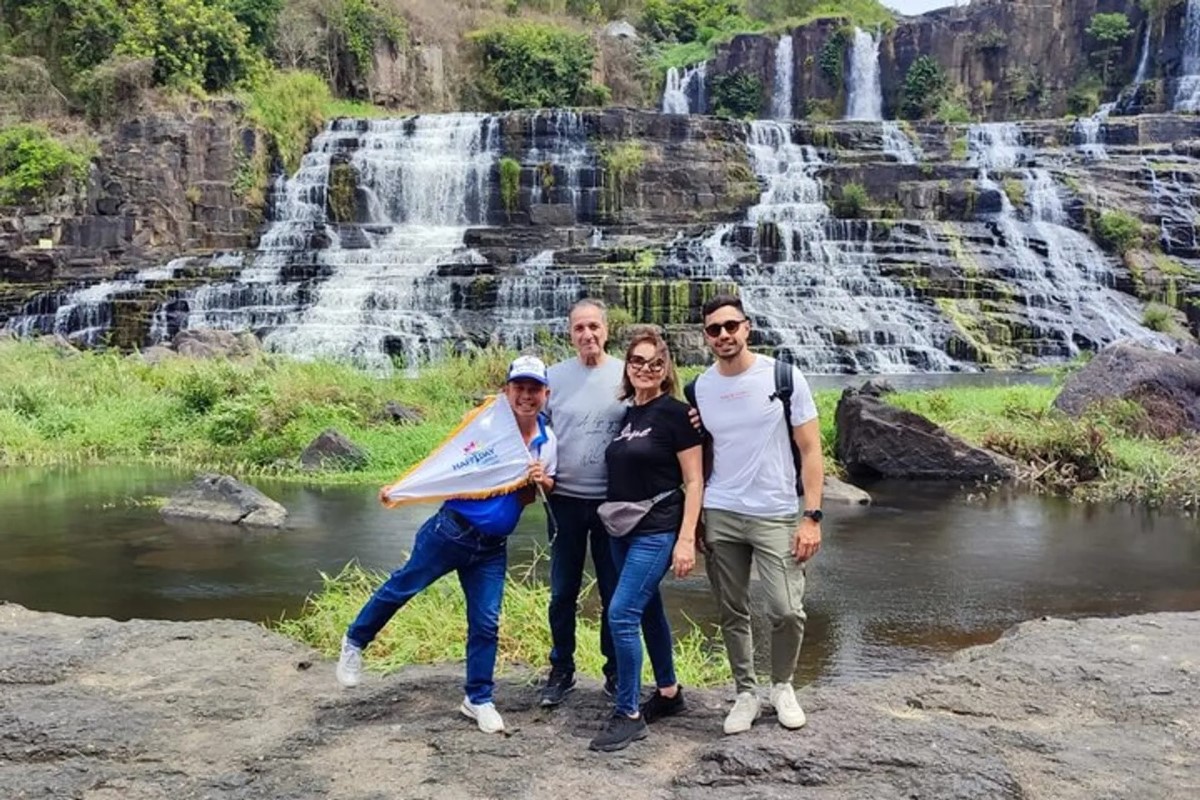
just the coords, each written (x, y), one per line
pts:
(530, 367)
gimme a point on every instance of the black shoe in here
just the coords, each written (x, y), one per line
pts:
(610, 686)
(619, 733)
(659, 706)
(558, 686)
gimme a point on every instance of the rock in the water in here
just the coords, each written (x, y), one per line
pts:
(401, 414)
(1165, 384)
(331, 448)
(837, 491)
(213, 343)
(221, 498)
(875, 439)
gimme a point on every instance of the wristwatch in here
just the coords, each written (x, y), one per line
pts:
(815, 514)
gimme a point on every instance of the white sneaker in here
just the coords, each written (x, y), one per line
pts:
(787, 709)
(485, 714)
(349, 666)
(746, 709)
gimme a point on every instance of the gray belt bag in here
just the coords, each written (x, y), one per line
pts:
(622, 516)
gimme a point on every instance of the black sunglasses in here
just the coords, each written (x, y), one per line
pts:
(729, 326)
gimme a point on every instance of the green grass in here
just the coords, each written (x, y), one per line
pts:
(250, 418)
(431, 629)
(255, 418)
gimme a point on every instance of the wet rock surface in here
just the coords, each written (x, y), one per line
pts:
(1055, 709)
(222, 498)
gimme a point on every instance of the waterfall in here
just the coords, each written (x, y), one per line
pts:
(1064, 281)
(685, 92)
(865, 97)
(781, 96)
(1143, 67)
(1089, 133)
(1187, 97)
(535, 301)
(897, 144)
(85, 316)
(360, 292)
(565, 162)
(813, 284)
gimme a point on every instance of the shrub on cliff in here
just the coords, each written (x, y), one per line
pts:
(531, 65)
(35, 166)
(924, 88)
(737, 94)
(1117, 231)
(1108, 33)
(291, 107)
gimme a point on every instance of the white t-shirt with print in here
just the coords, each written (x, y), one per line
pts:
(753, 472)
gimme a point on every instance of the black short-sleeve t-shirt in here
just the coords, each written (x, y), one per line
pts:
(643, 460)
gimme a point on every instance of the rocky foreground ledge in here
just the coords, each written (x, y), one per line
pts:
(96, 709)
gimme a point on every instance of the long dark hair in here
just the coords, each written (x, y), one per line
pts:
(670, 380)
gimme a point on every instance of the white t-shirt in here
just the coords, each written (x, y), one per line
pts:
(753, 472)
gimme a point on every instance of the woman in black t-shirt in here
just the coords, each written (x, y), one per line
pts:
(654, 457)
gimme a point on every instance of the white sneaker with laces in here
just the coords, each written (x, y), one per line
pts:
(787, 709)
(349, 666)
(746, 709)
(485, 714)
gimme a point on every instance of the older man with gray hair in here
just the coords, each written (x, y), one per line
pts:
(585, 414)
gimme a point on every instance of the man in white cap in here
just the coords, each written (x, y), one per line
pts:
(468, 537)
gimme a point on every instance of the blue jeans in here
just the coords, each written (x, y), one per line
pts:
(446, 543)
(642, 561)
(577, 522)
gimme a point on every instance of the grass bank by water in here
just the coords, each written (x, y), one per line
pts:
(255, 417)
(431, 629)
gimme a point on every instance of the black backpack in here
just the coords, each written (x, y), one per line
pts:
(783, 393)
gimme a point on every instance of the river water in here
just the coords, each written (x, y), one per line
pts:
(925, 571)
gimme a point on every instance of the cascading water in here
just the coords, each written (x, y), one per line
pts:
(1143, 67)
(685, 91)
(897, 144)
(781, 96)
(566, 162)
(813, 284)
(1064, 280)
(1089, 133)
(420, 182)
(1187, 96)
(85, 316)
(865, 95)
(535, 301)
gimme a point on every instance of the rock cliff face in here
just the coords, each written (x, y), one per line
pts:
(1015, 60)
(858, 246)
(162, 185)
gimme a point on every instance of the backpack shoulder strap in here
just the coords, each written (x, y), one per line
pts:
(689, 391)
(784, 386)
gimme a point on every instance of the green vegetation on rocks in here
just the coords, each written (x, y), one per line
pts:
(622, 163)
(737, 94)
(510, 183)
(531, 65)
(1118, 231)
(924, 87)
(1108, 33)
(35, 165)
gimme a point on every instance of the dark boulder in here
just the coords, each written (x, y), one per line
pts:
(1166, 385)
(400, 414)
(221, 498)
(875, 439)
(332, 449)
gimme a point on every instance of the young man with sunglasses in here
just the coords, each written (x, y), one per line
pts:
(751, 508)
